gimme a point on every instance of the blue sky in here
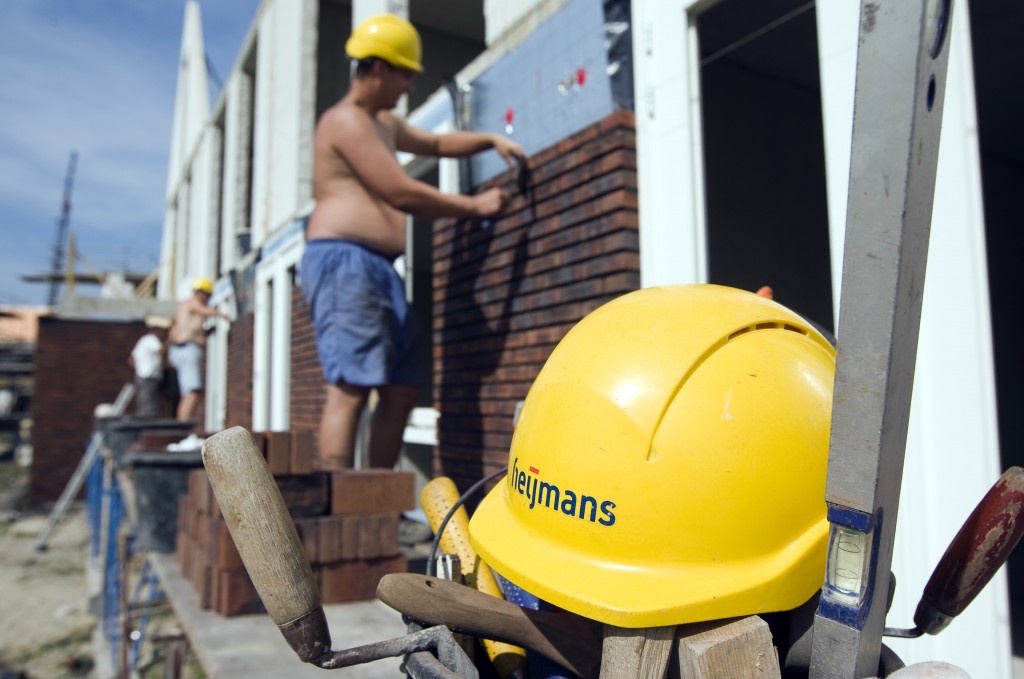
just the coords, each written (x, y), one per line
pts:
(97, 77)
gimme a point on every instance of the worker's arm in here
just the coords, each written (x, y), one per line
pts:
(352, 134)
(414, 140)
(207, 311)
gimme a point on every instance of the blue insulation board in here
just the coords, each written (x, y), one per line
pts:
(536, 81)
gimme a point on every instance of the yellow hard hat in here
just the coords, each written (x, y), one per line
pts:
(386, 37)
(668, 465)
(203, 285)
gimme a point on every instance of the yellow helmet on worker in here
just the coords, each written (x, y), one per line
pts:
(203, 285)
(387, 37)
(668, 465)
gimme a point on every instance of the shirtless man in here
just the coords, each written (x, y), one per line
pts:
(187, 339)
(366, 334)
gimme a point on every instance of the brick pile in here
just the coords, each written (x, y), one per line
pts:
(347, 522)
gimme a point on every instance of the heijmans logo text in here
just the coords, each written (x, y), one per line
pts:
(568, 502)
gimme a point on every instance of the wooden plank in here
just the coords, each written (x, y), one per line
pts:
(740, 648)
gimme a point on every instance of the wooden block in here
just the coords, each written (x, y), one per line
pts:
(643, 653)
(228, 558)
(301, 452)
(215, 512)
(236, 595)
(739, 647)
(357, 580)
(309, 535)
(304, 495)
(279, 445)
(329, 539)
(365, 491)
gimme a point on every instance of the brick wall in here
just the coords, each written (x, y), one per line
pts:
(238, 411)
(307, 388)
(505, 295)
(79, 364)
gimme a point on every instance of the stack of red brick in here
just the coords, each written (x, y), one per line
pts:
(347, 522)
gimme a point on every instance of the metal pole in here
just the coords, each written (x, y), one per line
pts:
(901, 79)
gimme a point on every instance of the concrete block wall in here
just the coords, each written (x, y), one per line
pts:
(505, 294)
(79, 364)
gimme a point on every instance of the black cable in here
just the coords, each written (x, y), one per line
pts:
(451, 512)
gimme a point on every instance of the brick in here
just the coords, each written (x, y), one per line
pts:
(368, 544)
(180, 547)
(228, 558)
(200, 491)
(350, 537)
(363, 491)
(388, 537)
(309, 535)
(301, 461)
(279, 444)
(259, 439)
(236, 595)
(214, 586)
(357, 580)
(201, 573)
(305, 495)
(329, 539)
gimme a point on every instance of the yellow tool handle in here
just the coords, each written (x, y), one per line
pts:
(437, 499)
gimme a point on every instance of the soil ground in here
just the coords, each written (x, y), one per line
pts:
(47, 630)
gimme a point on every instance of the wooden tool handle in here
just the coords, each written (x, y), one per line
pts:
(437, 498)
(265, 536)
(569, 640)
(976, 553)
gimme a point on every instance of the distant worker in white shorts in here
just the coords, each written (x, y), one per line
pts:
(187, 338)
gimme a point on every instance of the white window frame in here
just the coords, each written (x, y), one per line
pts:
(223, 299)
(272, 334)
(422, 425)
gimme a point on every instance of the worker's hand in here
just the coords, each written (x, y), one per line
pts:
(491, 202)
(509, 150)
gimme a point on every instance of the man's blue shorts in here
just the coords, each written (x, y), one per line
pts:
(365, 330)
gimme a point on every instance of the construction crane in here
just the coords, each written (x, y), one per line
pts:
(62, 229)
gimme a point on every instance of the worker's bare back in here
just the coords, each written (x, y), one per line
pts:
(345, 206)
